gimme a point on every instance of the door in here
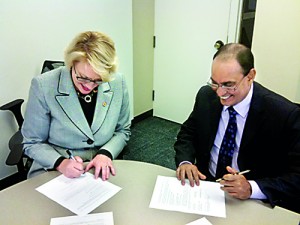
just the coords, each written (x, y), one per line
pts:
(186, 31)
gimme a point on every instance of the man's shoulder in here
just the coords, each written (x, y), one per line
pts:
(268, 98)
(206, 92)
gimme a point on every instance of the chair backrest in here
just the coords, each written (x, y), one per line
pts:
(16, 155)
(50, 65)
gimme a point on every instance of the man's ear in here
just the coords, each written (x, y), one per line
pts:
(252, 74)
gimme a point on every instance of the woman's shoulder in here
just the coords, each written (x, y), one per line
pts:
(117, 79)
(117, 76)
(51, 75)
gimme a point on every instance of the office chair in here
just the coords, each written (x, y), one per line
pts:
(15, 142)
(16, 155)
(51, 65)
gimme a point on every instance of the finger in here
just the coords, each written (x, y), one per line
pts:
(78, 173)
(78, 164)
(231, 170)
(75, 172)
(105, 172)
(228, 180)
(79, 168)
(232, 177)
(182, 177)
(112, 170)
(89, 166)
(196, 177)
(237, 192)
(78, 159)
(202, 176)
(178, 173)
(231, 191)
(97, 171)
(227, 187)
(190, 177)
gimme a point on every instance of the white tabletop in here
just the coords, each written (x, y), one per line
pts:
(22, 204)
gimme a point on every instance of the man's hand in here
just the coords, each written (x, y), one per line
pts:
(102, 164)
(236, 185)
(191, 172)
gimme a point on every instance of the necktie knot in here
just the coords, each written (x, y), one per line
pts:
(232, 115)
(232, 112)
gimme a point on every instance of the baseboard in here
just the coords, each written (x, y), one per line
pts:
(142, 116)
(11, 180)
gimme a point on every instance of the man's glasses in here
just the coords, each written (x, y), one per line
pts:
(227, 86)
(87, 80)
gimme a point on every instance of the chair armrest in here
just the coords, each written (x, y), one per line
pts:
(15, 108)
(16, 149)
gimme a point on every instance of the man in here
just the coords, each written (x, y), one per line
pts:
(266, 141)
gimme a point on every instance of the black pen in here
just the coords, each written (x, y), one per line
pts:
(240, 173)
(70, 155)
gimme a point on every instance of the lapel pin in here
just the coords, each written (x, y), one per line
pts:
(104, 104)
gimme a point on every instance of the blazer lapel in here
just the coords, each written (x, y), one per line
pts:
(255, 117)
(104, 98)
(68, 101)
(216, 109)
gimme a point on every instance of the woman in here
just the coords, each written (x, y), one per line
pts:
(79, 112)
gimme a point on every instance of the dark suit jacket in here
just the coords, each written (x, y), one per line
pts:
(270, 145)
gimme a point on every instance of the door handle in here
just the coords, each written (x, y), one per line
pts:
(218, 44)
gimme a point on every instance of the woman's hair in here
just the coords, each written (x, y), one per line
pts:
(97, 49)
(240, 53)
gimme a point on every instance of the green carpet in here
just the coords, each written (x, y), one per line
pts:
(152, 141)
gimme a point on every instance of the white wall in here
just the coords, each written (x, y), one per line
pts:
(276, 46)
(34, 30)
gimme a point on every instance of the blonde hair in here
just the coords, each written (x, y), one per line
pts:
(97, 49)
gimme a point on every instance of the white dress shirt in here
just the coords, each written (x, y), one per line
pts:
(242, 109)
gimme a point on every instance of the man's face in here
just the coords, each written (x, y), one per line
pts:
(228, 73)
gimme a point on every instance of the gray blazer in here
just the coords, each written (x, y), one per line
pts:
(54, 120)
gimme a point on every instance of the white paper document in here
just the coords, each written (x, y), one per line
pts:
(202, 221)
(205, 199)
(91, 219)
(80, 195)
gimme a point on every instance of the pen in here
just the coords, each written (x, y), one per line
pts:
(73, 158)
(70, 155)
(240, 173)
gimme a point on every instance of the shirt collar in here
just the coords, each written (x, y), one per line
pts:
(242, 107)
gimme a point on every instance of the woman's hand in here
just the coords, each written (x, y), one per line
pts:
(102, 164)
(71, 168)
